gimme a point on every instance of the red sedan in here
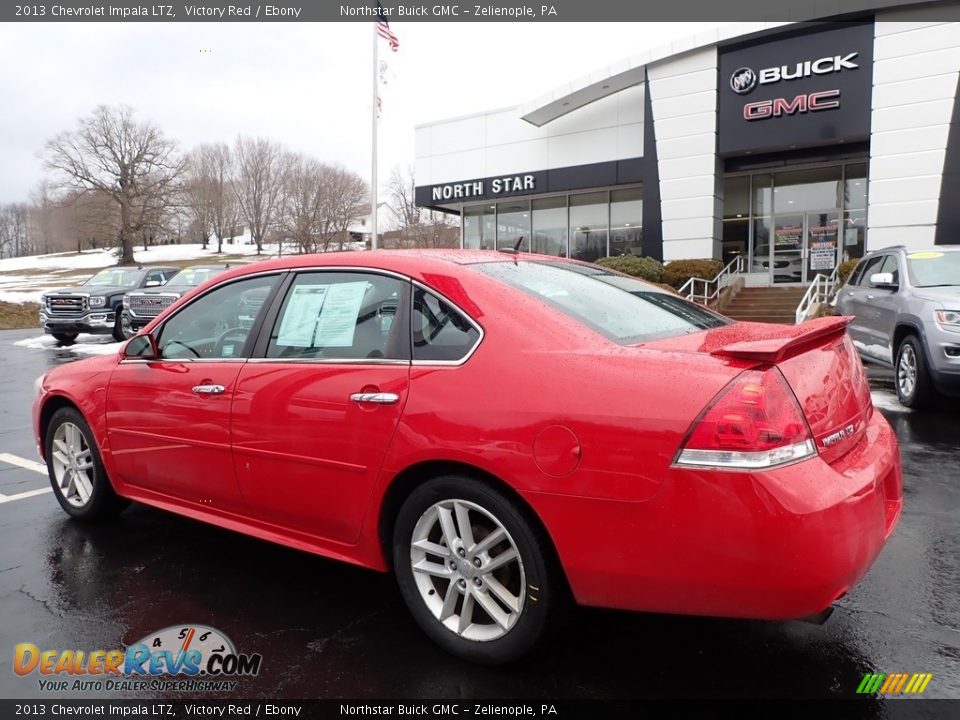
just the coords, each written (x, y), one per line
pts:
(500, 431)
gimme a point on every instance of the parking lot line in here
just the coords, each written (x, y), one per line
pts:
(23, 463)
(24, 495)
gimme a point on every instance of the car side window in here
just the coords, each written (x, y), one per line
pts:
(872, 266)
(854, 278)
(155, 276)
(440, 333)
(342, 316)
(891, 265)
(217, 324)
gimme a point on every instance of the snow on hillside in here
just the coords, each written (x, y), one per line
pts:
(95, 259)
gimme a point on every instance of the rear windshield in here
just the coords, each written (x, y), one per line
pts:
(622, 309)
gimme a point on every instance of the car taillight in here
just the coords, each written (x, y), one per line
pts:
(755, 422)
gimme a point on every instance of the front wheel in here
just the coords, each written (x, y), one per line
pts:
(118, 334)
(76, 471)
(914, 386)
(65, 338)
(473, 571)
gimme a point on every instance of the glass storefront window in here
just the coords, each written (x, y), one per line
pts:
(855, 187)
(588, 226)
(550, 226)
(802, 190)
(626, 220)
(513, 223)
(762, 221)
(479, 227)
(736, 217)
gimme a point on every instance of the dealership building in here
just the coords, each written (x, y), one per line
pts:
(793, 146)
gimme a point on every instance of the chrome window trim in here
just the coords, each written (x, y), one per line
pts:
(330, 361)
(326, 361)
(125, 360)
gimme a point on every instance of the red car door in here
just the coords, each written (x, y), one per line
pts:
(168, 419)
(314, 413)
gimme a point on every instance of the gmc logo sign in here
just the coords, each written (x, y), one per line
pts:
(812, 102)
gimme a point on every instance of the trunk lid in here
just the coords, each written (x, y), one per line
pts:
(817, 359)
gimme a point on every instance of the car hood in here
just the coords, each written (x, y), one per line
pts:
(179, 291)
(945, 295)
(81, 289)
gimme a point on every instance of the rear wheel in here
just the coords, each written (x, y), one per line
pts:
(914, 386)
(65, 338)
(472, 570)
(76, 471)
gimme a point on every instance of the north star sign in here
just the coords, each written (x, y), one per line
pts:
(477, 188)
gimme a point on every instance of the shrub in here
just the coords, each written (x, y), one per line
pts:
(644, 268)
(845, 268)
(677, 272)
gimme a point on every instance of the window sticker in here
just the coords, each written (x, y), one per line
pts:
(925, 255)
(302, 316)
(338, 321)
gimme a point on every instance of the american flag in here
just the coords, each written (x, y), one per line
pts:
(384, 31)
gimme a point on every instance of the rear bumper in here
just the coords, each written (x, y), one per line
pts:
(775, 545)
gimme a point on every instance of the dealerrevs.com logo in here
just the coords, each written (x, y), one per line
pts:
(186, 658)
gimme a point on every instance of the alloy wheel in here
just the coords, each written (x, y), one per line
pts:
(468, 570)
(907, 371)
(72, 465)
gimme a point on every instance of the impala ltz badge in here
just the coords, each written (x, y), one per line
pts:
(743, 81)
(839, 435)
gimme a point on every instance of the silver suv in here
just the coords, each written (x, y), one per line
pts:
(906, 308)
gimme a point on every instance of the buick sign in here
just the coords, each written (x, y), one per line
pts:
(743, 81)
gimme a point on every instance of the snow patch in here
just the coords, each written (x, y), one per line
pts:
(887, 400)
(14, 296)
(85, 344)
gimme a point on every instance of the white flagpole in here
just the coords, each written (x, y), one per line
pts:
(373, 172)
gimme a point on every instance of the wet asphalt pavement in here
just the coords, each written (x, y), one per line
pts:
(330, 630)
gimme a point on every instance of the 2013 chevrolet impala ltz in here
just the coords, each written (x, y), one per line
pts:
(501, 431)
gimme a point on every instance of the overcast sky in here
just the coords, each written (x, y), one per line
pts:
(307, 85)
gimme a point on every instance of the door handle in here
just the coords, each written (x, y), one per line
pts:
(375, 398)
(869, 297)
(209, 389)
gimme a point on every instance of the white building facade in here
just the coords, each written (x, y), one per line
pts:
(793, 146)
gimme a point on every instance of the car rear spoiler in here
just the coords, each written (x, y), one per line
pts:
(773, 350)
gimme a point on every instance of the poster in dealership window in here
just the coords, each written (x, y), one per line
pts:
(823, 255)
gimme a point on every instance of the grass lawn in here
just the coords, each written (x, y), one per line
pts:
(14, 316)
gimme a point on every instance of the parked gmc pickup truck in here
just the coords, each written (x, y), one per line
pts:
(94, 306)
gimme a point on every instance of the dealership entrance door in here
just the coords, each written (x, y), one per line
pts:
(794, 223)
(805, 245)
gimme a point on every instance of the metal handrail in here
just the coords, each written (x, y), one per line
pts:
(822, 289)
(689, 288)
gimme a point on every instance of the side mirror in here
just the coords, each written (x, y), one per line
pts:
(883, 280)
(141, 347)
(152, 283)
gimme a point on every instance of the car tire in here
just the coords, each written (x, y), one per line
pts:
(509, 603)
(911, 377)
(118, 333)
(76, 470)
(65, 339)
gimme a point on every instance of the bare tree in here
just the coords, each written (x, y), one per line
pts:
(209, 193)
(345, 199)
(258, 183)
(415, 226)
(131, 161)
(42, 213)
(301, 217)
(15, 236)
